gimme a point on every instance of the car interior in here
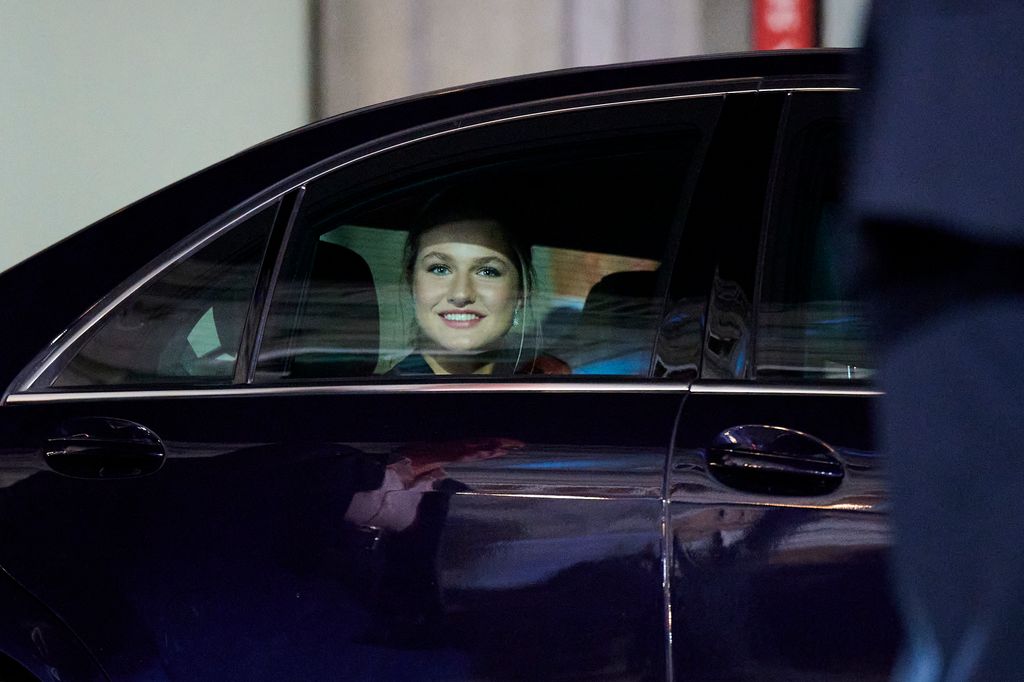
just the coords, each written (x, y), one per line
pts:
(599, 222)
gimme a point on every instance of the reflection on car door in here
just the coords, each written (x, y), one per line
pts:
(772, 578)
(533, 552)
(776, 492)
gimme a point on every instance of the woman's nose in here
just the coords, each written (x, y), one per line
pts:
(461, 292)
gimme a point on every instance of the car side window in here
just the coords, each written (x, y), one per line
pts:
(810, 324)
(183, 326)
(518, 258)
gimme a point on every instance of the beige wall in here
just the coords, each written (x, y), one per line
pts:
(105, 101)
(375, 50)
(843, 22)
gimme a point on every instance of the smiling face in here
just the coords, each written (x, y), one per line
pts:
(465, 286)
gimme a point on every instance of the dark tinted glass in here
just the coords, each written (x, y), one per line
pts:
(595, 219)
(184, 326)
(726, 227)
(810, 325)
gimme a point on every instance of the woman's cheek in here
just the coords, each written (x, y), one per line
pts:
(425, 296)
(501, 297)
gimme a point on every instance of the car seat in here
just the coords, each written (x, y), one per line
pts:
(619, 325)
(337, 330)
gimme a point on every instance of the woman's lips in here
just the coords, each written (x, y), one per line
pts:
(460, 320)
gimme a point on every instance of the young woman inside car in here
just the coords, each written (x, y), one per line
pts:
(471, 278)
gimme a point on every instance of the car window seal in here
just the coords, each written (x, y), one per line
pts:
(263, 295)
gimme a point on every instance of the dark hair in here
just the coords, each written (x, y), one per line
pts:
(467, 203)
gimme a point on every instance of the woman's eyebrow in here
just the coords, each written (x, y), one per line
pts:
(435, 254)
(488, 259)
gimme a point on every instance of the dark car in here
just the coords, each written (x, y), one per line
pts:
(227, 454)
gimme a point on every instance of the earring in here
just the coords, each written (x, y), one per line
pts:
(515, 317)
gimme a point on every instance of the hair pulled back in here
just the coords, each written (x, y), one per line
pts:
(468, 203)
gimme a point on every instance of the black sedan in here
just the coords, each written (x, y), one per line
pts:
(554, 377)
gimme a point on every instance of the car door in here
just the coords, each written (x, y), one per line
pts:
(211, 478)
(776, 489)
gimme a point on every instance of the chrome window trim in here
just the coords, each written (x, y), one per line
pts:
(563, 386)
(737, 388)
(822, 88)
(68, 338)
(354, 389)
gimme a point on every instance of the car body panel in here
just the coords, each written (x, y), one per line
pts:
(250, 560)
(770, 586)
(36, 644)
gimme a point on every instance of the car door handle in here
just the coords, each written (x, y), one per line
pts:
(102, 447)
(774, 460)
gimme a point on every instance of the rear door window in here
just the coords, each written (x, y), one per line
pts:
(578, 216)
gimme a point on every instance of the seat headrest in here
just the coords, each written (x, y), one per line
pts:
(338, 330)
(622, 293)
(618, 325)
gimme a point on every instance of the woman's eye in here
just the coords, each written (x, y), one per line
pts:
(438, 269)
(489, 272)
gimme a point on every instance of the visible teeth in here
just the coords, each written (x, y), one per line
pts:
(460, 317)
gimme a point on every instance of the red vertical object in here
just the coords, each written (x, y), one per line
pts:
(784, 24)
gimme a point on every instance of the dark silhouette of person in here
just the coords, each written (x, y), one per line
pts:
(937, 192)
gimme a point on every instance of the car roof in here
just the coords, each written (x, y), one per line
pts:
(409, 112)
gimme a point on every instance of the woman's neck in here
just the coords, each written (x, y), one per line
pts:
(459, 364)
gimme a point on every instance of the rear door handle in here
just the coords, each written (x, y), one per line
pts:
(102, 447)
(774, 460)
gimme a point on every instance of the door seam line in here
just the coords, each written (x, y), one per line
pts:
(666, 542)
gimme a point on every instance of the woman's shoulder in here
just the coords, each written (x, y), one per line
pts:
(414, 363)
(544, 364)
